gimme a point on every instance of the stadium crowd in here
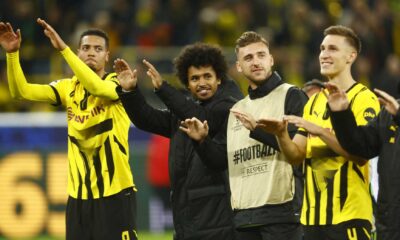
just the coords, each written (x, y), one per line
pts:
(292, 27)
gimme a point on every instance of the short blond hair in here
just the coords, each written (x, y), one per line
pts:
(248, 38)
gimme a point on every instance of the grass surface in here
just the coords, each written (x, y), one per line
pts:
(142, 236)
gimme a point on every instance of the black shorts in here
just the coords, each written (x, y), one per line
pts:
(354, 229)
(112, 217)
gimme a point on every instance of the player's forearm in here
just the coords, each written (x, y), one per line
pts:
(293, 153)
(20, 88)
(144, 116)
(90, 80)
(362, 141)
(14, 72)
(332, 142)
(212, 154)
(264, 137)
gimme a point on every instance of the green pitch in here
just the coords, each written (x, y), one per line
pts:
(142, 236)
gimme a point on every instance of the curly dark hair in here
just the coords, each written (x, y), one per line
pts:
(200, 55)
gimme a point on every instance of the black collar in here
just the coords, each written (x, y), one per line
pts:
(266, 87)
(105, 75)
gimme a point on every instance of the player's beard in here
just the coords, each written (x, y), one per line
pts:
(258, 80)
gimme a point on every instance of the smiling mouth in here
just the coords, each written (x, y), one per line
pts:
(203, 90)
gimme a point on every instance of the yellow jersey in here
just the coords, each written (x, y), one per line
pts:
(98, 151)
(98, 126)
(336, 189)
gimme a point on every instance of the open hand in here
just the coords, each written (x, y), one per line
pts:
(153, 74)
(391, 105)
(246, 119)
(307, 125)
(272, 126)
(195, 129)
(10, 41)
(49, 31)
(337, 98)
(126, 77)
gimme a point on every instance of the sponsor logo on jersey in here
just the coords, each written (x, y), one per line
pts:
(369, 114)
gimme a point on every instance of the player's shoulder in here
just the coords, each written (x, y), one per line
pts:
(364, 102)
(296, 94)
(242, 102)
(111, 77)
(360, 90)
(360, 94)
(62, 81)
(315, 100)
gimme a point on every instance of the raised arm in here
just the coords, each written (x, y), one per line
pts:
(90, 80)
(391, 105)
(10, 41)
(139, 111)
(154, 75)
(126, 76)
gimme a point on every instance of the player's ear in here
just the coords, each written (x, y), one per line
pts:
(107, 56)
(272, 60)
(352, 57)
(238, 67)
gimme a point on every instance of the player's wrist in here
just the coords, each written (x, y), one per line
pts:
(13, 54)
(126, 90)
(66, 50)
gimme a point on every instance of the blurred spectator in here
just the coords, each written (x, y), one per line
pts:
(158, 177)
(157, 165)
(388, 79)
(290, 26)
(183, 19)
(363, 71)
